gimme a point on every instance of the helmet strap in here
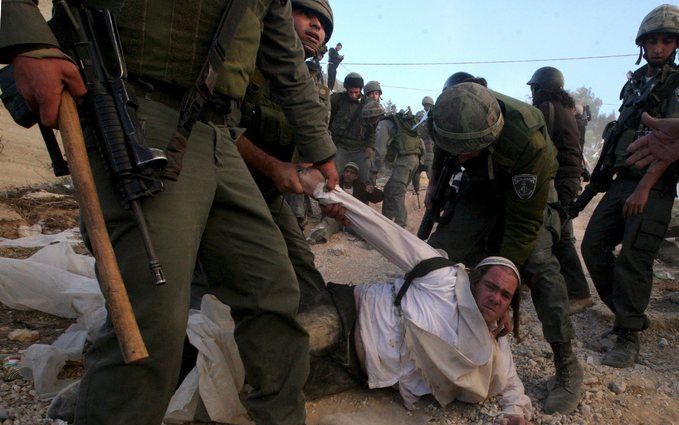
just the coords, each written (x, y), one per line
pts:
(641, 52)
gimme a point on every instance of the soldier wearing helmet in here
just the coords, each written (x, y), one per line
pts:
(556, 105)
(503, 208)
(352, 134)
(373, 90)
(427, 157)
(636, 208)
(404, 149)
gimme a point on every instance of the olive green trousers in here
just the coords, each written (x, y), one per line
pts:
(216, 215)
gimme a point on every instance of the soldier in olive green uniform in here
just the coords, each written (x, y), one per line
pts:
(214, 213)
(428, 157)
(627, 214)
(267, 127)
(404, 149)
(503, 209)
(554, 102)
(355, 140)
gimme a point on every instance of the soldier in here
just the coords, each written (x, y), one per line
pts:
(503, 209)
(213, 212)
(373, 91)
(554, 102)
(428, 156)
(334, 59)
(404, 149)
(355, 140)
(636, 208)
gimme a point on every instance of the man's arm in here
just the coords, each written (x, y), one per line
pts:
(526, 200)
(41, 70)
(661, 145)
(513, 399)
(283, 174)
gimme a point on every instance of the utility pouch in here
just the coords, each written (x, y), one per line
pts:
(14, 101)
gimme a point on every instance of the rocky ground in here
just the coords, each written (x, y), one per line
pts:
(647, 393)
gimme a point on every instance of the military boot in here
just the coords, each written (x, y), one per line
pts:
(625, 351)
(567, 391)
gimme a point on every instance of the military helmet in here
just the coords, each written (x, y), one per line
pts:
(372, 109)
(322, 9)
(427, 100)
(662, 19)
(467, 117)
(353, 80)
(547, 78)
(456, 78)
(372, 86)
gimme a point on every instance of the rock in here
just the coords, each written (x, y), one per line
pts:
(663, 343)
(673, 297)
(25, 231)
(4, 415)
(337, 250)
(617, 387)
(24, 335)
(590, 360)
(591, 380)
(585, 409)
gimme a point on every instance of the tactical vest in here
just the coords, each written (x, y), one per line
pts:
(654, 97)
(264, 120)
(522, 122)
(347, 127)
(406, 140)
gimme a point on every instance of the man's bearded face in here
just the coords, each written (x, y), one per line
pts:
(494, 292)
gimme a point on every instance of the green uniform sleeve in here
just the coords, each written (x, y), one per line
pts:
(281, 59)
(22, 28)
(527, 193)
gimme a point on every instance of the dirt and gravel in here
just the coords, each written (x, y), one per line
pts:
(647, 393)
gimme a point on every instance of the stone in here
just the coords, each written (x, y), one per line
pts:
(673, 297)
(663, 343)
(591, 380)
(617, 387)
(337, 250)
(4, 415)
(26, 231)
(590, 360)
(24, 335)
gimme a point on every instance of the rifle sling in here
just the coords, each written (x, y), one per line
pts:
(422, 268)
(202, 91)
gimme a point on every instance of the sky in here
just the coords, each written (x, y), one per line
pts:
(399, 31)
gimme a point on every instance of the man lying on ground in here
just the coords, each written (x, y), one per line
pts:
(432, 331)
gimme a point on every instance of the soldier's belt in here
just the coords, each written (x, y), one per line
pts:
(171, 95)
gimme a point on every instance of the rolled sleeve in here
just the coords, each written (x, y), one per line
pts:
(22, 28)
(513, 398)
(281, 59)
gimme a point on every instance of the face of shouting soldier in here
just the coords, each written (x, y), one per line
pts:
(309, 30)
(494, 292)
(658, 47)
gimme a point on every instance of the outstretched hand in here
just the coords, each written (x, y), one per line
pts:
(41, 82)
(660, 145)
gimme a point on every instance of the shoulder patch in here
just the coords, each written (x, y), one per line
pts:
(323, 92)
(524, 185)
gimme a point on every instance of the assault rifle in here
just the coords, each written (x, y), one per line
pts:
(603, 173)
(92, 36)
(443, 193)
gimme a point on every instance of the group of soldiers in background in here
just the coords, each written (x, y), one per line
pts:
(521, 168)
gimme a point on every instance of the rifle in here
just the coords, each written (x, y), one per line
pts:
(444, 192)
(603, 173)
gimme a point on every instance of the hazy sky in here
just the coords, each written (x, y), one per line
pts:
(382, 31)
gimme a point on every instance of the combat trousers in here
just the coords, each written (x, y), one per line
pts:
(402, 171)
(564, 248)
(332, 75)
(624, 282)
(216, 215)
(474, 233)
(311, 283)
(359, 156)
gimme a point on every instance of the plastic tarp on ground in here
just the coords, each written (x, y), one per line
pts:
(57, 281)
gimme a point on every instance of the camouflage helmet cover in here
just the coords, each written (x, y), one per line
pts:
(322, 9)
(372, 109)
(547, 78)
(467, 117)
(662, 19)
(427, 100)
(353, 80)
(372, 86)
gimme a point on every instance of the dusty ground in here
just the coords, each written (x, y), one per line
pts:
(651, 387)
